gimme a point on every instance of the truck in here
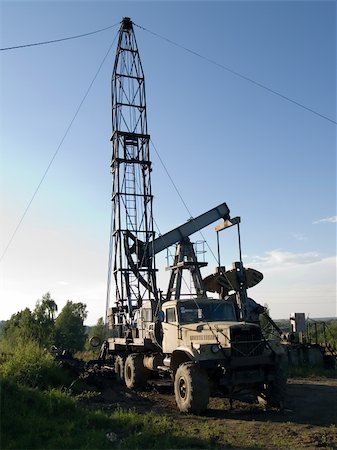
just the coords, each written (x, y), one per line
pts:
(206, 346)
(206, 341)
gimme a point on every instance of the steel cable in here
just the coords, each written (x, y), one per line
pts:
(58, 40)
(57, 150)
(238, 74)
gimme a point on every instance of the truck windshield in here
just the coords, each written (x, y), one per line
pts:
(191, 312)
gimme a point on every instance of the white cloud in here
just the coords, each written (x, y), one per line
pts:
(332, 219)
(296, 282)
(299, 236)
(278, 258)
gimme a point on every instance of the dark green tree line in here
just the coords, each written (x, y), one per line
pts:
(69, 328)
(66, 330)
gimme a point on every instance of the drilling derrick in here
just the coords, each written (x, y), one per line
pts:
(201, 343)
(131, 277)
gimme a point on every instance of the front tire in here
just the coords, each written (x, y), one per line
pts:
(135, 374)
(191, 388)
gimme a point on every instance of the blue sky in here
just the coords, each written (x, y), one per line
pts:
(221, 138)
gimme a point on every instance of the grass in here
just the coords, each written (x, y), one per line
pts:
(38, 411)
(87, 355)
(28, 364)
(309, 371)
(47, 419)
(35, 419)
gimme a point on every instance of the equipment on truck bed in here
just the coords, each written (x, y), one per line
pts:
(205, 345)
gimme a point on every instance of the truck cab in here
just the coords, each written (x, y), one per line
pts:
(196, 323)
(209, 332)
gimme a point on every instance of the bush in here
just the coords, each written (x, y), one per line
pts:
(309, 371)
(52, 419)
(34, 419)
(28, 364)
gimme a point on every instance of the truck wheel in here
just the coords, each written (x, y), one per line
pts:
(119, 369)
(191, 388)
(276, 390)
(135, 374)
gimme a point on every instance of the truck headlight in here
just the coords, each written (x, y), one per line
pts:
(215, 348)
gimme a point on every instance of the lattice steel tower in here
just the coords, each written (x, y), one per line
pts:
(131, 278)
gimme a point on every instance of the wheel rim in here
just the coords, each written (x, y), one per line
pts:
(182, 388)
(128, 372)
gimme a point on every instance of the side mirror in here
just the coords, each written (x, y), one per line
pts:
(95, 341)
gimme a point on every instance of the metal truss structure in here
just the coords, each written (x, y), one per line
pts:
(132, 278)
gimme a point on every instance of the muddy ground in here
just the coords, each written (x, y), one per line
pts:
(309, 419)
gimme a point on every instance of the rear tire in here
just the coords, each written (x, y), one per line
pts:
(119, 368)
(191, 388)
(276, 390)
(274, 393)
(135, 374)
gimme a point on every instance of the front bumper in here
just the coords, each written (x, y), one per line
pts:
(235, 371)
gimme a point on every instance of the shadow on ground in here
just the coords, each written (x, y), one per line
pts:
(308, 402)
(311, 404)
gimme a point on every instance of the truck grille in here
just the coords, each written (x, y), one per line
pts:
(246, 342)
(203, 337)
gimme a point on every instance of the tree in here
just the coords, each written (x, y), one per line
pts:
(21, 326)
(66, 331)
(69, 329)
(44, 315)
(266, 326)
(37, 325)
(45, 308)
(98, 330)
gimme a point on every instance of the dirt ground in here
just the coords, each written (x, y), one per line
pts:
(309, 419)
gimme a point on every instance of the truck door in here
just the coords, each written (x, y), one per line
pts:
(170, 328)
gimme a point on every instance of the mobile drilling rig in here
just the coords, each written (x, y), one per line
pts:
(204, 345)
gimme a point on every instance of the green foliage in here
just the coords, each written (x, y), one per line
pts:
(266, 327)
(323, 332)
(53, 419)
(328, 335)
(35, 325)
(2, 328)
(152, 431)
(49, 420)
(28, 364)
(44, 315)
(310, 371)
(87, 355)
(98, 330)
(69, 329)
(66, 331)
(21, 326)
